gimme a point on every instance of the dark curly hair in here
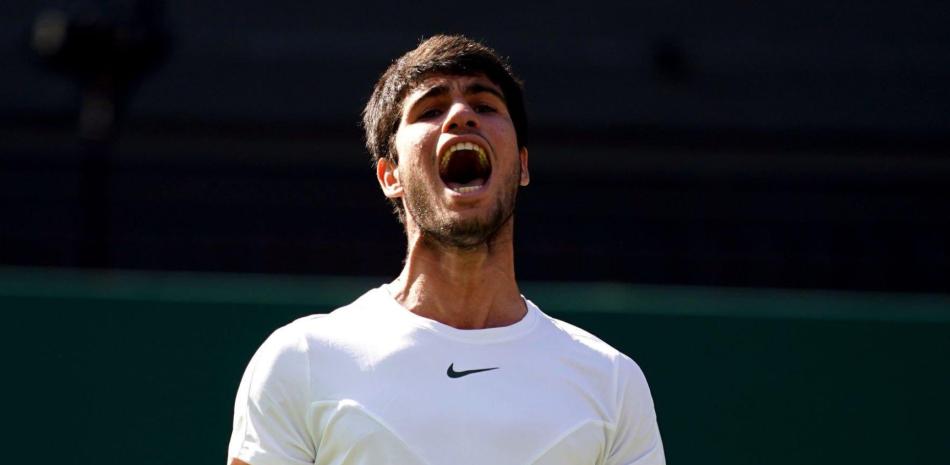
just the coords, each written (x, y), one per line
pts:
(441, 54)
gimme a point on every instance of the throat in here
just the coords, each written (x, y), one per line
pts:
(488, 308)
(465, 290)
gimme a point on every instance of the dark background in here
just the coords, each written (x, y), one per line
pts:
(782, 144)
(747, 197)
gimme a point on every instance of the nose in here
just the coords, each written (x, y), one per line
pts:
(460, 116)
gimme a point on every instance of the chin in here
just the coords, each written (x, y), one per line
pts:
(470, 233)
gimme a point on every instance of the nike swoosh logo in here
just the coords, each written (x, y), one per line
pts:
(458, 374)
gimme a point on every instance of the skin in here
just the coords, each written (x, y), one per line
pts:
(467, 283)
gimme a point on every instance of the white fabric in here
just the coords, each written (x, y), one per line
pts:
(367, 385)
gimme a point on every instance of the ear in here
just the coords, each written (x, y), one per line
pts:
(387, 173)
(525, 175)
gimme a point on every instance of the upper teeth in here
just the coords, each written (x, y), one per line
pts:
(482, 157)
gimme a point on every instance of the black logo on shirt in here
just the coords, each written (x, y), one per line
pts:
(458, 374)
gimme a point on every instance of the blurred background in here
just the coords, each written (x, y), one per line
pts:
(749, 198)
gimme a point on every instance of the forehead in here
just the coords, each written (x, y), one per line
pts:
(451, 81)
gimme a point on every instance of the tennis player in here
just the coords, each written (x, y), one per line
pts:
(448, 364)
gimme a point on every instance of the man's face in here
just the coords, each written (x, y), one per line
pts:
(459, 164)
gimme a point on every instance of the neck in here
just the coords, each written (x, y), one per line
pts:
(464, 288)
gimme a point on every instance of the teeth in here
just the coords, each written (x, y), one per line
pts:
(482, 156)
(463, 190)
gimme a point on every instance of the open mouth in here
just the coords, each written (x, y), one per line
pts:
(465, 167)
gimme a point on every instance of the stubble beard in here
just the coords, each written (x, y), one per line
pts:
(470, 234)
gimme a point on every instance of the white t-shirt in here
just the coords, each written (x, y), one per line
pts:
(375, 384)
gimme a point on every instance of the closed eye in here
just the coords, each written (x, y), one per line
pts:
(485, 109)
(430, 113)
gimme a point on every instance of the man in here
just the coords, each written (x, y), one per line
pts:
(448, 364)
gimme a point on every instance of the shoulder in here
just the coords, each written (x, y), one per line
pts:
(583, 338)
(617, 377)
(289, 351)
(611, 362)
(338, 322)
(579, 340)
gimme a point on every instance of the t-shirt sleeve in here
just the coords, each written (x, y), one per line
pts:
(635, 438)
(270, 410)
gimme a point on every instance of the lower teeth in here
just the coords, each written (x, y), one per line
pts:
(463, 190)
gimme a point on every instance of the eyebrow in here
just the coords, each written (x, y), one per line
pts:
(478, 88)
(471, 89)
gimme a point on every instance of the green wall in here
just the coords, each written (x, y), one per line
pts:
(142, 367)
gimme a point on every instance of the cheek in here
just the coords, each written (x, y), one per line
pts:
(504, 132)
(413, 143)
